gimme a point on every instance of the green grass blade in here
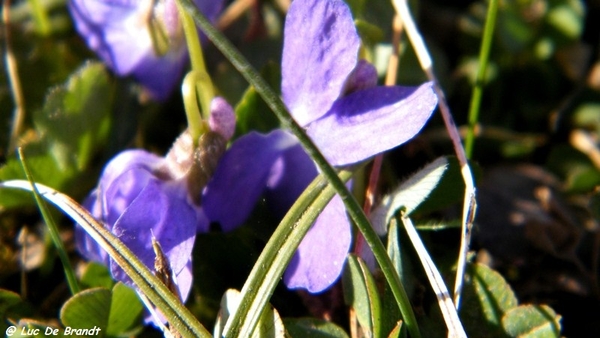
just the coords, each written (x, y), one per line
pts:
(484, 56)
(52, 228)
(352, 206)
(170, 306)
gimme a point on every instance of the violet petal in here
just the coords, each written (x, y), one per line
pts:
(86, 245)
(241, 176)
(291, 173)
(110, 30)
(117, 30)
(319, 260)
(320, 49)
(371, 121)
(160, 211)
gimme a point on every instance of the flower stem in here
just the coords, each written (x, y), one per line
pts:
(198, 86)
(353, 207)
(484, 55)
(193, 112)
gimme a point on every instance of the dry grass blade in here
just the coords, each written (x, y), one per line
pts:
(455, 328)
(469, 203)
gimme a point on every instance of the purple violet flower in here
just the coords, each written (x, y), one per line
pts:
(141, 195)
(334, 96)
(127, 36)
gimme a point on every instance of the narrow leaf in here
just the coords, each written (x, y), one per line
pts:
(360, 293)
(269, 324)
(278, 252)
(170, 306)
(52, 229)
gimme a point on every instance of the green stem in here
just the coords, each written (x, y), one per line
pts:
(202, 84)
(196, 125)
(352, 206)
(484, 54)
(52, 228)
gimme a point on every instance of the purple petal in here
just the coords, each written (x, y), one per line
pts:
(130, 159)
(160, 211)
(86, 245)
(371, 121)
(320, 257)
(241, 176)
(117, 30)
(160, 75)
(291, 173)
(362, 77)
(109, 29)
(109, 207)
(131, 171)
(320, 49)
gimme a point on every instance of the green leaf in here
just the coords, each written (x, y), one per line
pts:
(410, 194)
(75, 116)
(313, 327)
(125, 311)
(450, 189)
(577, 169)
(115, 312)
(87, 309)
(96, 275)
(532, 321)
(8, 299)
(269, 324)
(45, 171)
(486, 298)
(360, 293)
(252, 113)
(389, 310)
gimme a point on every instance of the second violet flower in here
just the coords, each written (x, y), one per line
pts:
(335, 97)
(139, 38)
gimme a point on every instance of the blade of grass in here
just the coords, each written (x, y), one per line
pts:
(276, 255)
(52, 228)
(484, 56)
(352, 206)
(170, 306)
